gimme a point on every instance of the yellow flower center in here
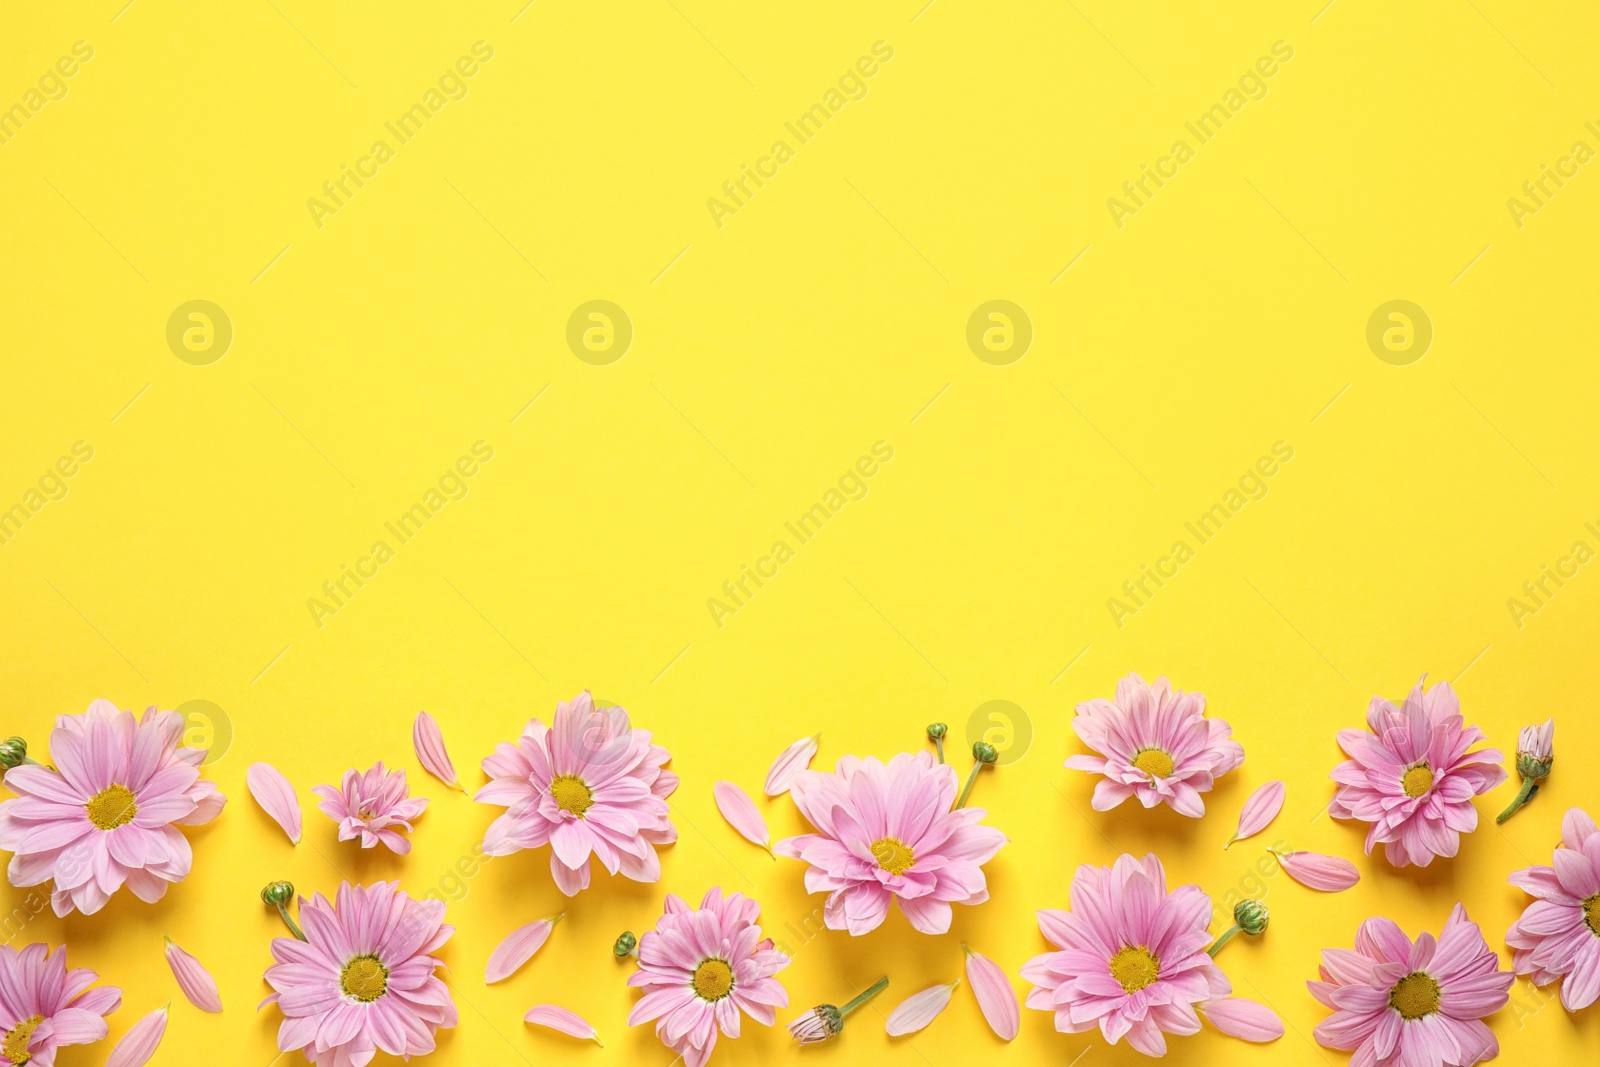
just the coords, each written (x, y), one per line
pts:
(1415, 995)
(364, 978)
(713, 979)
(572, 794)
(112, 807)
(893, 855)
(1417, 780)
(1134, 968)
(1153, 761)
(15, 1045)
(1591, 914)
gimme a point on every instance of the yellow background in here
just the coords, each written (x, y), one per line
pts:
(829, 313)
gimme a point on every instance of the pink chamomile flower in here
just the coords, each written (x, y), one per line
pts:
(44, 1005)
(1558, 936)
(374, 806)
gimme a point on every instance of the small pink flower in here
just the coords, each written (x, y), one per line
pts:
(276, 796)
(1558, 936)
(1258, 812)
(701, 968)
(193, 979)
(1399, 1003)
(44, 1006)
(1331, 874)
(428, 740)
(886, 833)
(790, 762)
(1132, 957)
(363, 979)
(562, 1021)
(373, 806)
(591, 785)
(740, 811)
(1154, 743)
(1412, 779)
(108, 814)
(134, 1048)
(996, 998)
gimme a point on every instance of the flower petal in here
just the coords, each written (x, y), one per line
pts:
(740, 811)
(276, 797)
(518, 948)
(995, 996)
(562, 1020)
(1316, 871)
(1244, 1019)
(919, 1009)
(790, 762)
(195, 981)
(1259, 811)
(427, 739)
(140, 1042)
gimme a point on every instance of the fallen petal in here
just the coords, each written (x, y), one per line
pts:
(195, 981)
(141, 1040)
(427, 739)
(919, 1009)
(995, 996)
(1244, 1019)
(790, 762)
(1259, 811)
(740, 811)
(1316, 871)
(518, 948)
(276, 797)
(562, 1020)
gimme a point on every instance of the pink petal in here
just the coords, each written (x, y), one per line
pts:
(919, 1009)
(139, 1043)
(1244, 1019)
(790, 762)
(1259, 811)
(429, 743)
(195, 981)
(563, 1020)
(995, 996)
(740, 811)
(276, 797)
(1316, 871)
(517, 948)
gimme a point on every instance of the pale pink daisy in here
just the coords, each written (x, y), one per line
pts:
(1558, 936)
(363, 979)
(1412, 779)
(885, 832)
(700, 968)
(1399, 1003)
(1132, 961)
(373, 805)
(1153, 742)
(108, 813)
(43, 1005)
(591, 785)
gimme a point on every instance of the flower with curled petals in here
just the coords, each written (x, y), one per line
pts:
(1412, 778)
(1154, 742)
(886, 832)
(362, 980)
(1558, 936)
(701, 969)
(374, 806)
(588, 785)
(107, 814)
(44, 1005)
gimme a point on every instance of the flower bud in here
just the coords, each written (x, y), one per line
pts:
(818, 1024)
(936, 730)
(13, 752)
(984, 752)
(1251, 915)
(625, 944)
(277, 894)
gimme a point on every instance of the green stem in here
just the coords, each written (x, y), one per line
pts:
(1525, 794)
(871, 991)
(1227, 935)
(971, 779)
(293, 928)
(938, 743)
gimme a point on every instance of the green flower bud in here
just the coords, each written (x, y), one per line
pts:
(277, 894)
(625, 944)
(984, 752)
(1529, 766)
(13, 752)
(1251, 915)
(936, 730)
